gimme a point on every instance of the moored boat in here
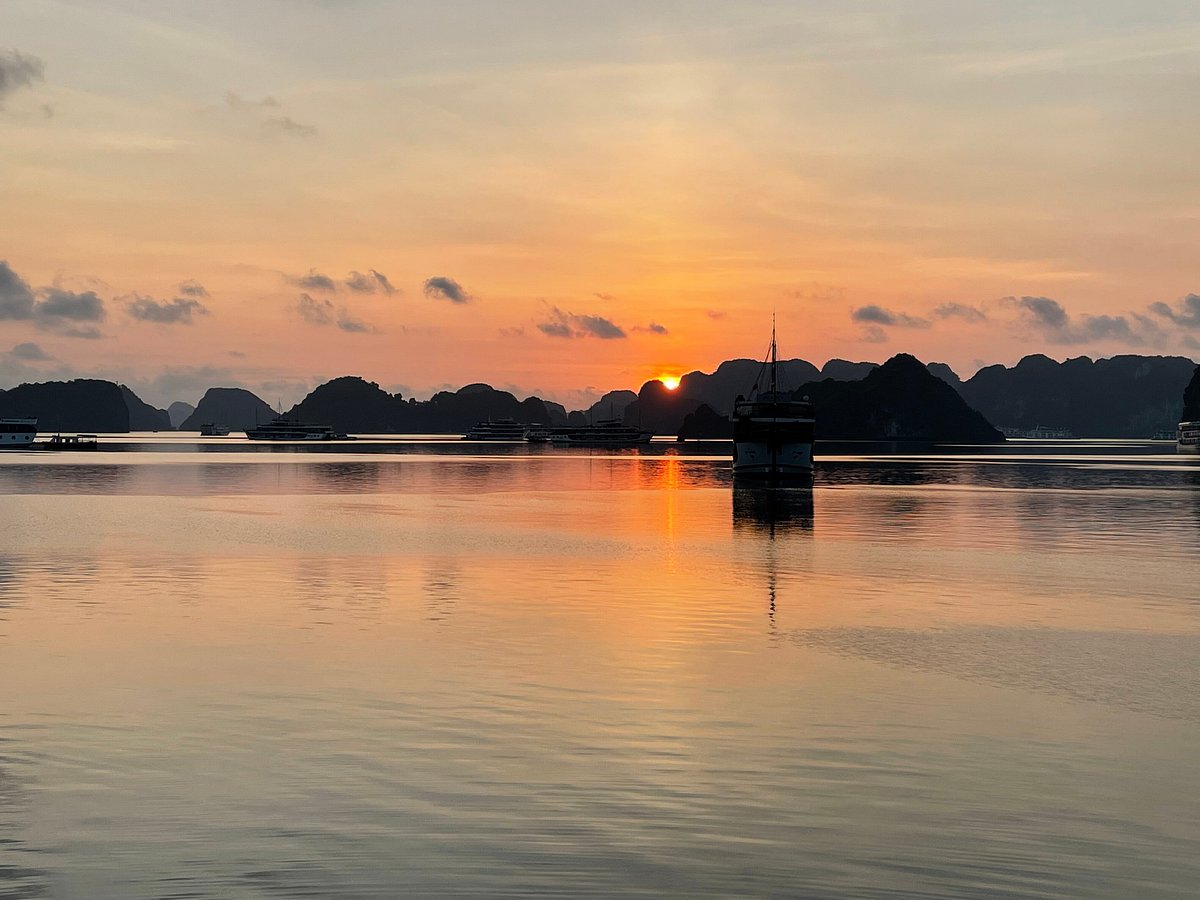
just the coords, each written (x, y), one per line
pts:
(496, 430)
(17, 433)
(772, 431)
(605, 433)
(212, 429)
(282, 428)
(1187, 438)
(69, 442)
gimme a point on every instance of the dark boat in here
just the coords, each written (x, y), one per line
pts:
(69, 442)
(284, 429)
(772, 431)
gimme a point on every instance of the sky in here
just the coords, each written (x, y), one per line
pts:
(566, 198)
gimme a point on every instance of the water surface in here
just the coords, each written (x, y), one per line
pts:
(437, 668)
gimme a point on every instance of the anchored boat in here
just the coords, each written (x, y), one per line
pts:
(772, 431)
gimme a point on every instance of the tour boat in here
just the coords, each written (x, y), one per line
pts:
(1187, 439)
(282, 428)
(772, 431)
(496, 430)
(17, 434)
(605, 433)
(211, 429)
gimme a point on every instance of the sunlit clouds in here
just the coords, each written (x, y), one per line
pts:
(568, 201)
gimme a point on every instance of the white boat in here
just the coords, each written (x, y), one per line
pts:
(772, 431)
(1187, 438)
(497, 430)
(17, 434)
(284, 429)
(605, 433)
(211, 429)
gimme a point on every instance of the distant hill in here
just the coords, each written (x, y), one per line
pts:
(737, 376)
(352, 405)
(899, 401)
(843, 370)
(178, 412)
(1191, 399)
(85, 404)
(660, 410)
(143, 416)
(944, 372)
(1125, 396)
(357, 406)
(235, 407)
(611, 406)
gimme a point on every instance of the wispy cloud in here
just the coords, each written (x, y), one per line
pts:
(878, 315)
(313, 281)
(192, 288)
(370, 283)
(18, 70)
(322, 312)
(1054, 324)
(960, 311)
(178, 311)
(562, 324)
(1185, 313)
(442, 288)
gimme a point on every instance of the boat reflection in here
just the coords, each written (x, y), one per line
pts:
(772, 509)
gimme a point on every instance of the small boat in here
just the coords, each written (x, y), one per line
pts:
(69, 442)
(497, 430)
(772, 431)
(211, 429)
(17, 434)
(605, 433)
(282, 428)
(1187, 438)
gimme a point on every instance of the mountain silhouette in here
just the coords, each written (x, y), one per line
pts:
(143, 416)
(1125, 396)
(178, 412)
(84, 404)
(1191, 399)
(898, 401)
(235, 407)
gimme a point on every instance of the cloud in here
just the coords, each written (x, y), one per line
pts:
(236, 101)
(1185, 313)
(442, 288)
(1056, 325)
(960, 311)
(877, 315)
(260, 111)
(18, 70)
(716, 314)
(192, 288)
(313, 311)
(313, 281)
(605, 297)
(178, 311)
(50, 309)
(353, 324)
(370, 283)
(652, 328)
(29, 352)
(873, 334)
(570, 325)
(16, 297)
(288, 125)
(322, 312)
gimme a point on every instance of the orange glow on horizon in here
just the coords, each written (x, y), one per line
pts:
(670, 382)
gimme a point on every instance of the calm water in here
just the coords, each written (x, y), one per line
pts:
(423, 669)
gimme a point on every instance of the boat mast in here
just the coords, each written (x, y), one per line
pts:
(774, 378)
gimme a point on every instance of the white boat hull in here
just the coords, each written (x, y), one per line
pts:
(788, 458)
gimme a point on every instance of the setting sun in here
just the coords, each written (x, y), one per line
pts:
(670, 382)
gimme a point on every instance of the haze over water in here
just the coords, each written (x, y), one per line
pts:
(439, 668)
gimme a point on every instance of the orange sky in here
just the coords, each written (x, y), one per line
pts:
(573, 198)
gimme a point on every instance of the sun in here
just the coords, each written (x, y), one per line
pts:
(670, 382)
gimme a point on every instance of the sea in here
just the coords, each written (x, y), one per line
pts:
(420, 667)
